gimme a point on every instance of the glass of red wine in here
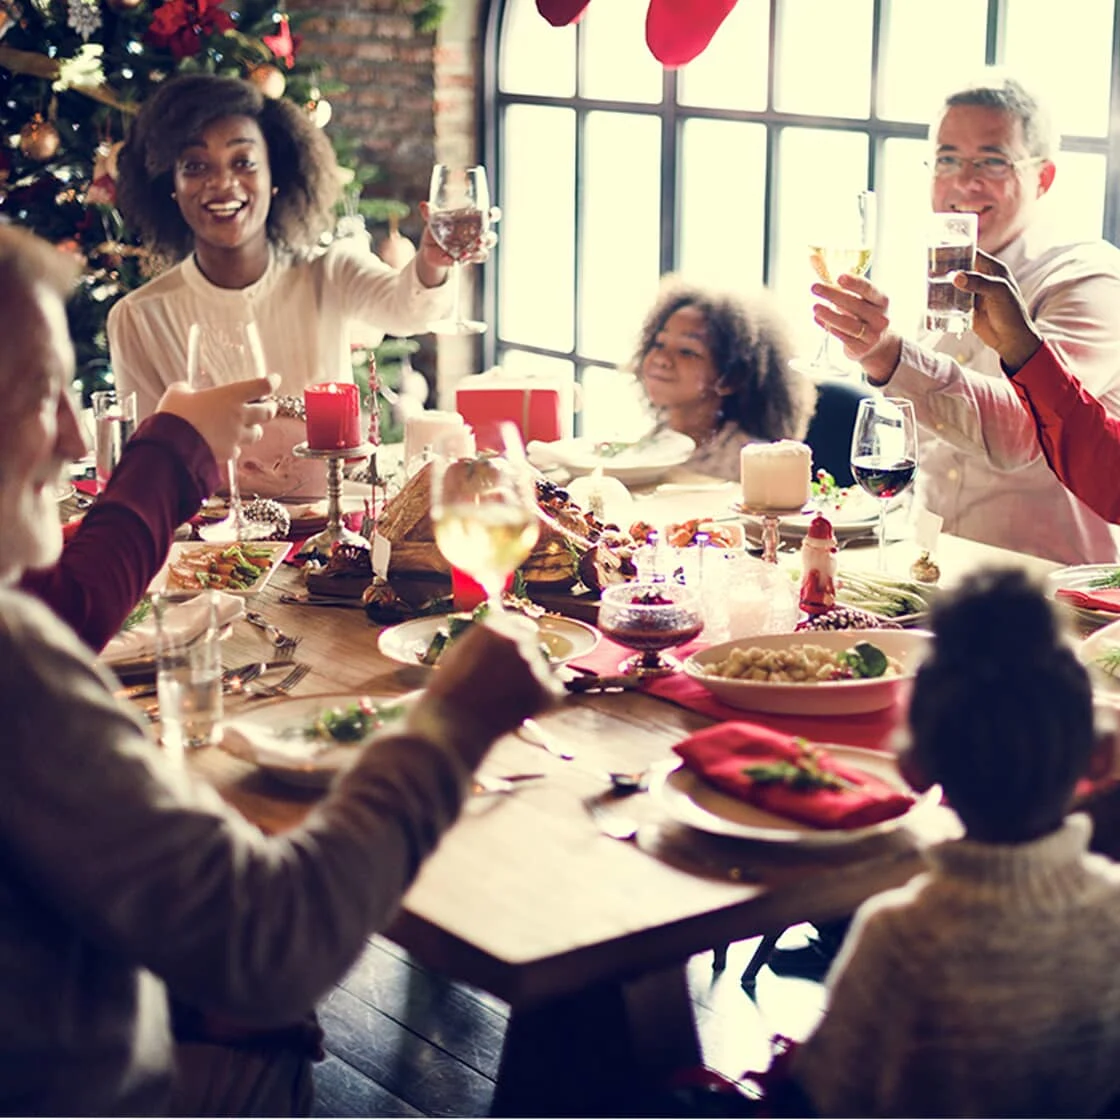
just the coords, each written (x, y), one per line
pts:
(650, 616)
(884, 453)
(459, 218)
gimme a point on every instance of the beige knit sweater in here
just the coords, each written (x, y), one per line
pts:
(988, 986)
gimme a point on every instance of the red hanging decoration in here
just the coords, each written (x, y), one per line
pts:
(562, 12)
(283, 44)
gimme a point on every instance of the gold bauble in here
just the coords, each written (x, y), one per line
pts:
(38, 139)
(269, 80)
(319, 110)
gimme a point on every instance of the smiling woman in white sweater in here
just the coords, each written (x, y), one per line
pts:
(237, 190)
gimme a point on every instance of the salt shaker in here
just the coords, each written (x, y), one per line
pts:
(818, 567)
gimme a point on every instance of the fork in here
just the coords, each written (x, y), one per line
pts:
(277, 636)
(258, 690)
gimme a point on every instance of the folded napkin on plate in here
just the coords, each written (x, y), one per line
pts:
(186, 619)
(1106, 599)
(723, 753)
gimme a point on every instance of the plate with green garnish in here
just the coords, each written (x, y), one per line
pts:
(1100, 654)
(308, 740)
(1090, 579)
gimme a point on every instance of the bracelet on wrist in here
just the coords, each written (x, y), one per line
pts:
(290, 407)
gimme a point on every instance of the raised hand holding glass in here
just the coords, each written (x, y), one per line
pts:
(459, 218)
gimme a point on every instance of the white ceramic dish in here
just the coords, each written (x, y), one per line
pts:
(645, 463)
(64, 491)
(690, 800)
(277, 549)
(267, 735)
(857, 515)
(1078, 577)
(825, 697)
(565, 638)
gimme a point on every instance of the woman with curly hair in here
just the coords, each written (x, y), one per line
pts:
(716, 366)
(236, 191)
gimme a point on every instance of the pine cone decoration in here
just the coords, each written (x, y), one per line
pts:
(271, 511)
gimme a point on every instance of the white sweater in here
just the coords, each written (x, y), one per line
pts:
(307, 312)
(988, 986)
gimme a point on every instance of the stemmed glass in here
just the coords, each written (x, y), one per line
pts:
(884, 453)
(484, 511)
(219, 352)
(844, 244)
(650, 616)
(459, 218)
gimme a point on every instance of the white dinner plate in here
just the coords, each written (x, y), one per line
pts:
(818, 698)
(690, 800)
(271, 735)
(647, 461)
(566, 638)
(64, 491)
(1078, 577)
(278, 550)
(1106, 685)
(856, 515)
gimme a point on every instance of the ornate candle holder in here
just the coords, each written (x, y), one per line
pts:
(771, 526)
(335, 531)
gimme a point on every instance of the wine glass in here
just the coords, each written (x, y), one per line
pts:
(650, 616)
(459, 217)
(484, 510)
(219, 352)
(844, 244)
(884, 453)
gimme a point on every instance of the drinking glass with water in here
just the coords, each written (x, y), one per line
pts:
(952, 247)
(188, 672)
(114, 422)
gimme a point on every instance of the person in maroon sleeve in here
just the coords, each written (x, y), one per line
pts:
(1080, 439)
(166, 470)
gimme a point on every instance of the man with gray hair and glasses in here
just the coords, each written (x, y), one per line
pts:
(981, 467)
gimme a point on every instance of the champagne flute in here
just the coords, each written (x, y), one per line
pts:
(219, 352)
(484, 511)
(459, 217)
(844, 245)
(884, 453)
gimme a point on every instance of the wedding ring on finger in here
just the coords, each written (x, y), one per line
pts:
(862, 331)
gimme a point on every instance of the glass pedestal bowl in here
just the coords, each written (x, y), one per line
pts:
(650, 617)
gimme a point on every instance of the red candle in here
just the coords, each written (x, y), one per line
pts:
(333, 419)
(466, 592)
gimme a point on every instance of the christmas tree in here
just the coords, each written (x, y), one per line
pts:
(72, 75)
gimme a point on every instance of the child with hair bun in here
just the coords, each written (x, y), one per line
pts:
(987, 985)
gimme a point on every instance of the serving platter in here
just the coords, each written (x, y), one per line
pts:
(856, 514)
(270, 736)
(845, 697)
(688, 799)
(1081, 577)
(193, 550)
(566, 638)
(641, 463)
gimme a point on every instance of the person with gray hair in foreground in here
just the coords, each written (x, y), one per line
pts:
(125, 880)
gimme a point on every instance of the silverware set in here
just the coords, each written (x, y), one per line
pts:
(276, 636)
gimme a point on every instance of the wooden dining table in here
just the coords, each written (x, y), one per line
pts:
(585, 936)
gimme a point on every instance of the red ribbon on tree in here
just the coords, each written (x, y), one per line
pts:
(283, 44)
(676, 30)
(179, 25)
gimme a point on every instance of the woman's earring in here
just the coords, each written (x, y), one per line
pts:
(174, 195)
(275, 191)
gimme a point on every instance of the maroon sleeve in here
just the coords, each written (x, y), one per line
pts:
(1080, 440)
(165, 472)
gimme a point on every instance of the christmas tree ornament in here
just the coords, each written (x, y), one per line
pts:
(269, 80)
(39, 139)
(180, 25)
(123, 5)
(394, 248)
(271, 512)
(283, 44)
(318, 108)
(84, 16)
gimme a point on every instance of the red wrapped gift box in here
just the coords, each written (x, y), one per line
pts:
(540, 407)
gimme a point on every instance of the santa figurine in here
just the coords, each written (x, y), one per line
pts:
(818, 567)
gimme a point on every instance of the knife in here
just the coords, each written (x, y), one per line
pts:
(594, 683)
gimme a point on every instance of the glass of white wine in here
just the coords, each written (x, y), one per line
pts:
(844, 243)
(484, 510)
(459, 218)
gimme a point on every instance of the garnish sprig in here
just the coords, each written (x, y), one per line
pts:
(803, 773)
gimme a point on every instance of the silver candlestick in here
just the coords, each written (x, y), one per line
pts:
(336, 531)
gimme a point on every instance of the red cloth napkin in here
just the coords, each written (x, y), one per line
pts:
(1107, 599)
(872, 730)
(721, 754)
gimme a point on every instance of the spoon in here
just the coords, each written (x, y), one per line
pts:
(624, 783)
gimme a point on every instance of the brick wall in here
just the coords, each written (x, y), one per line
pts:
(410, 98)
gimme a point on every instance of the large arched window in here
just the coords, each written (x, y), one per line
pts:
(611, 170)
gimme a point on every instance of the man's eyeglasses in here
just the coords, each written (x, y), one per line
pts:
(994, 168)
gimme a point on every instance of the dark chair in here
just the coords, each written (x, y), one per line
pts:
(830, 430)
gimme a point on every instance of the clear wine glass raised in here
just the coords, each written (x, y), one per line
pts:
(844, 242)
(459, 218)
(884, 453)
(219, 352)
(484, 510)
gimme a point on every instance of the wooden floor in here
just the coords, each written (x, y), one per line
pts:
(402, 1042)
